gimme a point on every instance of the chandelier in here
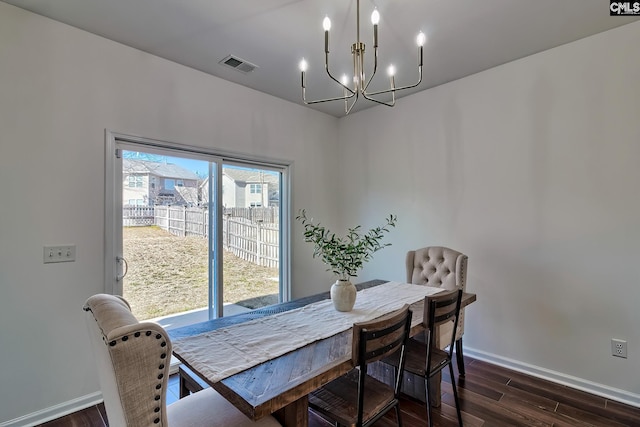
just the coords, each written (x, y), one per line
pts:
(359, 84)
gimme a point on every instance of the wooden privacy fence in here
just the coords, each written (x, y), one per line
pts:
(251, 234)
(137, 215)
(269, 215)
(183, 221)
(257, 242)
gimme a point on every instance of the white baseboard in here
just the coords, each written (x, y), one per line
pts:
(607, 392)
(55, 412)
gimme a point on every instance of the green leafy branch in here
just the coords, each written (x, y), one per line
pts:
(346, 255)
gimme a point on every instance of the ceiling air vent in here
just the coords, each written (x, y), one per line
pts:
(238, 64)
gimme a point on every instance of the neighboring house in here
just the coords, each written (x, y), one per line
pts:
(146, 183)
(246, 188)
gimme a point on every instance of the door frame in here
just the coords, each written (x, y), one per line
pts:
(113, 199)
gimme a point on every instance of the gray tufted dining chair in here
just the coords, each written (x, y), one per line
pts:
(443, 268)
(133, 361)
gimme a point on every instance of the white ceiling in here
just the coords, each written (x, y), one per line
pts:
(465, 36)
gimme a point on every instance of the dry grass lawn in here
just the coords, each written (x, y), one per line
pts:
(169, 274)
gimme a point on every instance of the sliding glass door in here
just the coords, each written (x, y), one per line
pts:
(192, 235)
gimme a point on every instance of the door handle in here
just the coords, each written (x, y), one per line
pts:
(122, 260)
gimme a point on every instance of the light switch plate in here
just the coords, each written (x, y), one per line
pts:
(64, 253)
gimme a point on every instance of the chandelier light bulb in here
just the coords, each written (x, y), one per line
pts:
(344, 79)
(391, 71)
(421, 39)
(326, 23)
(375, 17)
(303, 65)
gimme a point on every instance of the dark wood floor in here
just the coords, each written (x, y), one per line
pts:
(490, 396)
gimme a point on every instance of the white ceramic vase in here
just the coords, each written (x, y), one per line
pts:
(343, 295)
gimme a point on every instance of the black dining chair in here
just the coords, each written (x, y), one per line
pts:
(445, 268)
(356, 399)
(423, 357)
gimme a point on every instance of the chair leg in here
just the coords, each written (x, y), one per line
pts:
(398, 417)
(428, 402)
(395, 383)
(398, 386)
(459, 357)
(455, 395)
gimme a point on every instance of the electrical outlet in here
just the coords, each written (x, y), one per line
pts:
(618, 348)
(66, 253)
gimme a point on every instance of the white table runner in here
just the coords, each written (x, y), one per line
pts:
(226, 351)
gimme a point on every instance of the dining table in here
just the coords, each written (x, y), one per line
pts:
(237, 356)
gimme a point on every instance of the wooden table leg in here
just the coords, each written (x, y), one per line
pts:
(295, 414)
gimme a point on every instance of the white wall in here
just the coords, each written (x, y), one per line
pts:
(59, 89)
(531, 169)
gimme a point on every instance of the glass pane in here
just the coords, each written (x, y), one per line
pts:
(167, 213)
(251, 237)
(165, 239)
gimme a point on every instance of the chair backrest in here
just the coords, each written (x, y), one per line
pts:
(377, 339)
(441, 308)
(437, 266)
(133, 361)
(440, 267)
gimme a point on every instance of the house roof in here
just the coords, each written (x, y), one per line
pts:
(164, 170)
(251, 176)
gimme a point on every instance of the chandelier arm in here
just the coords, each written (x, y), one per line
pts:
(326, 67)
(340, 83)
(380, 92)
(348, 110)
(318, 101)
(420, 64)
(375, 69)
(388, 104)
(398, 88)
